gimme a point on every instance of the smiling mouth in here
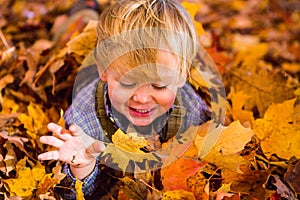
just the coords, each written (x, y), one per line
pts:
(140, 112)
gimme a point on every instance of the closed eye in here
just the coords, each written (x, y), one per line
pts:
(127, 85)
(158, 87)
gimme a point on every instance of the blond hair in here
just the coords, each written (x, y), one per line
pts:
(135, 29)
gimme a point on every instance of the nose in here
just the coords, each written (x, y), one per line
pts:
(142, 94)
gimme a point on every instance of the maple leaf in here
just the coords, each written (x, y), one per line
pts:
(278, 132)
(238, 101)
(126, 148)
(174, 176)
(35, 121)
(132, 189)
(26, 181)
(50, 180)
(225, 153)
(129, 142)
(192, 9)
(251, 74)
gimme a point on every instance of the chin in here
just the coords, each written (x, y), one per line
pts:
(141, 123)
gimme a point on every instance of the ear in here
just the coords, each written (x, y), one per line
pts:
(103, 76)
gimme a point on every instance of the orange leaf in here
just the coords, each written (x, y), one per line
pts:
(175, 175)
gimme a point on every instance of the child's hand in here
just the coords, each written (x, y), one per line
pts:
(73, 146)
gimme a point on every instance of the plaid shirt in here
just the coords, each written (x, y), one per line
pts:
(83, 113)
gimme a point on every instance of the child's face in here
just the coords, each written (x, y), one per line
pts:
(145, 92)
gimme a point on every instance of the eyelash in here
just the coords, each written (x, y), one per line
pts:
(159, 88)
(127, 85)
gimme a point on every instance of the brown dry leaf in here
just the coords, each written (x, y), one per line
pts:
(283, 190)
(132, 190)
(10, 159)
(50, 180)
(46, 183)
(7, 119)
(17, 141)
(85, 42)
(226, 151)
(292, 177)
(57, 172)
(252, 74)
(250, 182)
(178, 195)
(278, 132)
(4, 81)
(199, 185)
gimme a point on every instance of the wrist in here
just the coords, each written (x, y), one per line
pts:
(82, 171)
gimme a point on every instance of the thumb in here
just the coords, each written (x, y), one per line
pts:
(95, 148)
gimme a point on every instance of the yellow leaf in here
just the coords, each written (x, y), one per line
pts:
(278, 131)
(291, 67)
(61, 122)
(78, 187)
(35, 121)
(238, 113)
(251, 56)
(192, 9)
(196, 79)
(10, 106)
(125, 148)
(25, 182)
(129, 142)
(225, 152)
(38, 171)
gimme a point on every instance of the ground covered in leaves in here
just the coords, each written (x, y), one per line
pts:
(255, 45)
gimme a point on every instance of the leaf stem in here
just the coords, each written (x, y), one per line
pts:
(3, 39)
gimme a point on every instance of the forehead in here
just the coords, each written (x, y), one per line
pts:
(142, 60)
(165, 70)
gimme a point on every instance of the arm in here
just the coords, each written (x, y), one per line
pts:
(75, 148)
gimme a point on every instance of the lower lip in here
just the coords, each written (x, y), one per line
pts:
(135, 113)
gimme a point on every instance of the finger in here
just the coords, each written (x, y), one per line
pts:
(59, 131)
(51, 140)
(75, 130)
(50, 155)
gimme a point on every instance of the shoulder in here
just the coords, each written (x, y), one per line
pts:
(82, 111)
(196, 109)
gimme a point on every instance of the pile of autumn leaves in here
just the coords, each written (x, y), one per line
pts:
(257, 152)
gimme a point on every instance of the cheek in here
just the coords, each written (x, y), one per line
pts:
(166, 99)
(117, 95)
